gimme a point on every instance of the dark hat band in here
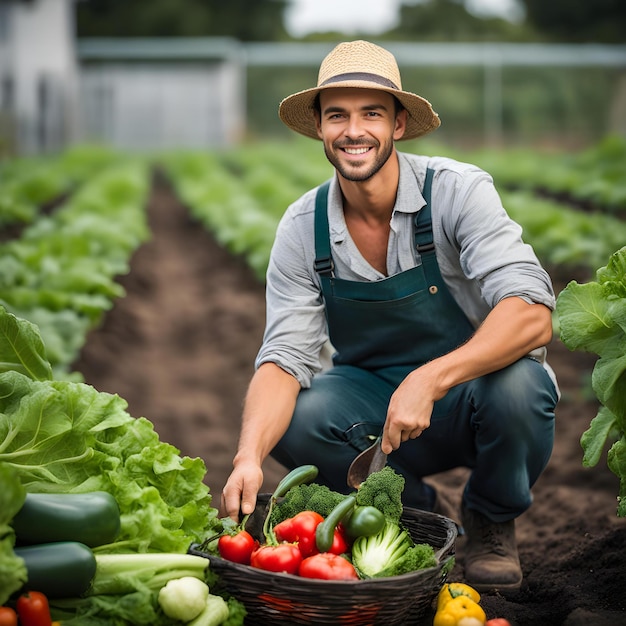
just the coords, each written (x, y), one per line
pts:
(364, 76)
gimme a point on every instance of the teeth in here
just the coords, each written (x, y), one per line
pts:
(356, 150)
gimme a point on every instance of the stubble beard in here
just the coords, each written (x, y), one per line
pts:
(354, 172)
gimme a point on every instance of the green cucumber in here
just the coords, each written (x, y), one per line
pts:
(63, 569)
(325, 532)
(298, 476)
(89, 518)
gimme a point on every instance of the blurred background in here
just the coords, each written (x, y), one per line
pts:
(162, 74)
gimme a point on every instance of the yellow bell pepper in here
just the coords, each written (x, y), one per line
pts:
(453, 590)
(460, 611)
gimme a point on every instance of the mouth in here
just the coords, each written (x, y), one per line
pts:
(356, 151)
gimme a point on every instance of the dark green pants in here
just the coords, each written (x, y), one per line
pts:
(501, 426)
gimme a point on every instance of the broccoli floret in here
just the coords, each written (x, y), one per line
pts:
(383, 489)
(306, 497)
(420, 556)
(389, 553)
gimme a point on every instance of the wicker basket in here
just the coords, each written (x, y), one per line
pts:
(272, 598)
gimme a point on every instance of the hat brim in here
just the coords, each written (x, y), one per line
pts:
(298, 113)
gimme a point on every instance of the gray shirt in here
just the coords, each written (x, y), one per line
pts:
(479, 249)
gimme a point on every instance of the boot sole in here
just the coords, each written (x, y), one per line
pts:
(486, 588)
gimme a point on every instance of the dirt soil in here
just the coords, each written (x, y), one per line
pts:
(179, 348)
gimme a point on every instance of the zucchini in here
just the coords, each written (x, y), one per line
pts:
(301, 475)
(298, 476)
(63, 569)
(325, 531)
(89, 518)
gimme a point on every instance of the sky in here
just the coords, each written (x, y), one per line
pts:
(372, 16)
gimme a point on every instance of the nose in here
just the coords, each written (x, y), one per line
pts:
(354, 129)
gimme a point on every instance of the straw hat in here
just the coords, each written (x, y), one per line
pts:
(364, 65)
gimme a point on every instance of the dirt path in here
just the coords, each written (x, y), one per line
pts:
(180, 348)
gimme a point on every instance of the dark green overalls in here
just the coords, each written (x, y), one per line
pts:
(501, 425)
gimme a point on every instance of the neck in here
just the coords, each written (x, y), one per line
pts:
(374, 198)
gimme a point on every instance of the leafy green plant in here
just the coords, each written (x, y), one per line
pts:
(592, 318)
(594, 175)
(562, 236)
(12, 569)
(61, 273)
(64, 437)
(27, 184)
(61, 437)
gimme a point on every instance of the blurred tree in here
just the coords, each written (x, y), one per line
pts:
(448, 20)
(246, 20)
(600, 21)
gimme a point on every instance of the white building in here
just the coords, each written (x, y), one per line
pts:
(141, 94)
(150, 94)
(38, 75)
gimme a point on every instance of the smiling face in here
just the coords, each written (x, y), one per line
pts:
(358, 128)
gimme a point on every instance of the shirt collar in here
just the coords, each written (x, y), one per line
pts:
(408, 200)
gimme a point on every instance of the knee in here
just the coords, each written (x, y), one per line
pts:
(517, 397)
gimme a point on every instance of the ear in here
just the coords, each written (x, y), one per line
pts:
(400, 124)
(318, 125)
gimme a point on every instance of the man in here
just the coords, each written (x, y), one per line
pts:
(437, 310)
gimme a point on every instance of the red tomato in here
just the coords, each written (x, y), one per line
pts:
(237, 548)
(340, 543)
(284, 557)
(300, 529)
(498, 621)
(8, 617)
(33, 609)
(327, 566)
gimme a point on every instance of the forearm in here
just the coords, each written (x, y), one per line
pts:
(512, 329)
(268, 409)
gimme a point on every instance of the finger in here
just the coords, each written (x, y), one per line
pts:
(415, 433)
(387, 444)
(248, 500)
(231, 503)
(391, 443)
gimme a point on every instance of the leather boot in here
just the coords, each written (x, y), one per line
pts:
(491, 558)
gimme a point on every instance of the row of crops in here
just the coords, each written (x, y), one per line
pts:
(81, 215)
(572, 206)
(60, 272)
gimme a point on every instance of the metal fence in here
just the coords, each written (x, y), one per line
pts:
(205, 92)
(487, 92)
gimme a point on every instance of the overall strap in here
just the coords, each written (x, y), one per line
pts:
(323, 259)
(423, 220)
(423, 227)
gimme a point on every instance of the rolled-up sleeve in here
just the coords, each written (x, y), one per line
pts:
(296, 324)
(486, 243)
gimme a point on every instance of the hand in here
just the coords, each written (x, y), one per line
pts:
(410, 408)
(512, 329)
(241, 489)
